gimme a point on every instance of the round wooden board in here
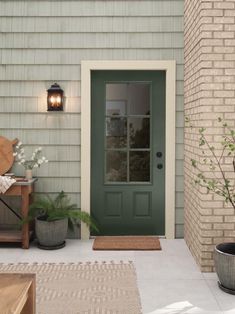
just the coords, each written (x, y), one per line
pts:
(6, 154)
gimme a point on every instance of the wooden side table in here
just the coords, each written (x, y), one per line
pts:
(17, 293)
(24, 190)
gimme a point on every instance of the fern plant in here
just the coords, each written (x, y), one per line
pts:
(49, 209)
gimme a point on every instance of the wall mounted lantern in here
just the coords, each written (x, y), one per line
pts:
(55, 98)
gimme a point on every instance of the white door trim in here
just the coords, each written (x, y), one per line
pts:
(170, 67)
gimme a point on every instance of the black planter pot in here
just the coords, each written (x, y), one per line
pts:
(224, 257)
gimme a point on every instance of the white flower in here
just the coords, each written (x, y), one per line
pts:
(29, 162)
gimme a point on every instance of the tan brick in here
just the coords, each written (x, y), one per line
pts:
(211, 233)
(223, 226)
(230, 115)
(206, 49)
(224, 108)
(229, 56)
(229, 27)
(205, 226)
(207, 262)
(224, 20)
(229, 13)
(212, 42)
(212, 27)
(230, 101)
(206, 240)
(211, 101)
(223, 93)
(229, 71)
(206, 255)
(229, 86)
(206, 34)
(229, 233)
(206, 269)
(208, 248)
(221, 240)
(224, 49)
(213, 86)
(224, 79)
(205, 211)
(229, 218)
(211, 219)
(224, 64)
(223, 5)
(207, 5)
(212, 13)
(223, 35)
(212, 56)
(206, 19)
(223, 211)
(213, 72)
(229, 42)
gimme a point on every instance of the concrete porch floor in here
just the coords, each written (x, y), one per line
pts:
(169, 281)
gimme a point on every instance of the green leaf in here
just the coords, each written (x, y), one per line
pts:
(194, 163)
(59, 208)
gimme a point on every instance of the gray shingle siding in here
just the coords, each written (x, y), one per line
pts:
(45, 41)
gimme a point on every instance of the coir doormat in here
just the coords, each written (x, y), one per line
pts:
(83, 288)
(135, 243)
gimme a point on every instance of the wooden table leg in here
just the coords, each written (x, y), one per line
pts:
(30, 305)
(24, 211)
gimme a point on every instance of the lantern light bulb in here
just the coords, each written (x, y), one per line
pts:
(52, 99)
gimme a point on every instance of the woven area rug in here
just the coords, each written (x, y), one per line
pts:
(85, 288)
(143, 243)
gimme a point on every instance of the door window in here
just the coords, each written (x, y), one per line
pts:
(127, 132)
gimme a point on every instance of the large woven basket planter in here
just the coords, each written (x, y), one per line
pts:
(224, 257)
(51, 234)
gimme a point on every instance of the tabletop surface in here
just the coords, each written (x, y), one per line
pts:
(13, 291)
(25, 181)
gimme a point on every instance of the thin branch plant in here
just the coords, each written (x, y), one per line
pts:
(222, 186)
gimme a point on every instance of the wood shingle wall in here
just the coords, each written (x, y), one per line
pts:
(44, 41)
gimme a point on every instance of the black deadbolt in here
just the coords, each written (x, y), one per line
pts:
(159, 166)
(159, 154)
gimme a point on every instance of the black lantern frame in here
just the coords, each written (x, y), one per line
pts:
(55, 98)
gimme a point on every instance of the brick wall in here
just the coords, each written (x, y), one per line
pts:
(209, 86)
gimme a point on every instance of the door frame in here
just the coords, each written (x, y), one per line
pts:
(170, 67)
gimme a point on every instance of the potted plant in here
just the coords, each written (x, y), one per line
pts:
(53, 216)
(222, 185)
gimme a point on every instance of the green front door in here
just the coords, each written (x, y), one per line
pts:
(128, 152)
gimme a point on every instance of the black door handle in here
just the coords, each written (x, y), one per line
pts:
(159, 154)
(159, 166)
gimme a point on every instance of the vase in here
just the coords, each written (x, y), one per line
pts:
(28, 174)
